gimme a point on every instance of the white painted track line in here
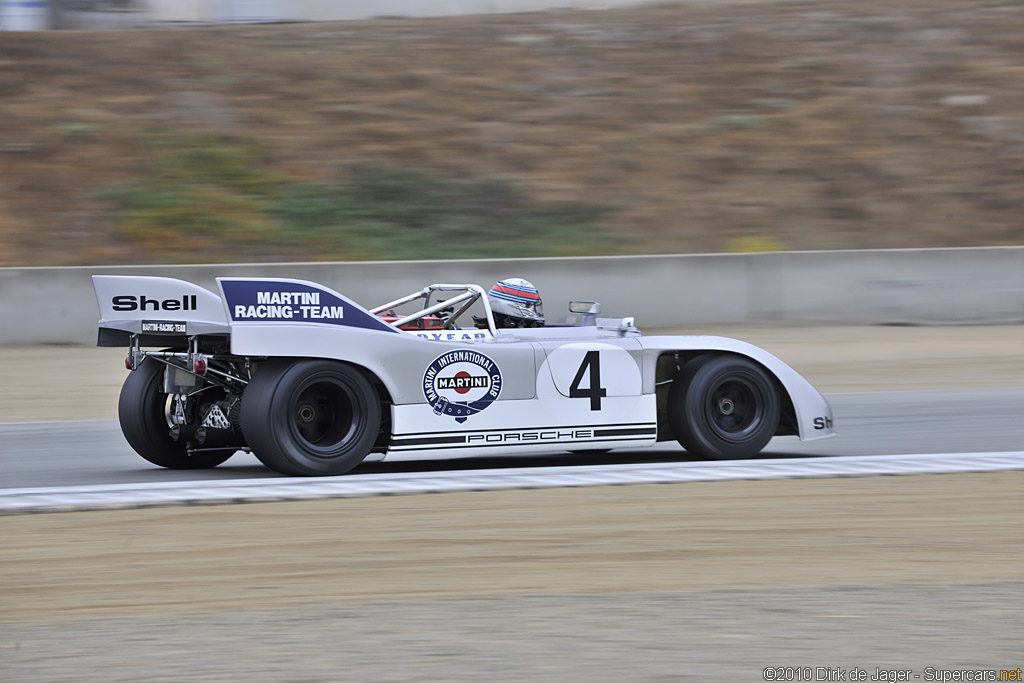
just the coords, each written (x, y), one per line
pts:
(116, 496)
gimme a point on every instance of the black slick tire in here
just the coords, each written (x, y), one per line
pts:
(723, 407)
(141, 410)
(310, 417)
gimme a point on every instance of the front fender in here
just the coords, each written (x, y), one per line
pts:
(812, 411)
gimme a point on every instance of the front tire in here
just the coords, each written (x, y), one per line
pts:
(310, 417)
(141, 409)
(723, 407)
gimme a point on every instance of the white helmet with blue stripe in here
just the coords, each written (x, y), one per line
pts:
(515, 302)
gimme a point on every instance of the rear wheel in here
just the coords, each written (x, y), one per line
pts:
(142, 411)
(723, 407)
(310, 417)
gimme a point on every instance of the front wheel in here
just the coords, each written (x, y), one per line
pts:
(723, 407)
(310, 417)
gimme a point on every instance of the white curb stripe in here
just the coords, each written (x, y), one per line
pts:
(115, 496)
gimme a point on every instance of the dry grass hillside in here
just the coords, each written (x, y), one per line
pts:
(675, 128)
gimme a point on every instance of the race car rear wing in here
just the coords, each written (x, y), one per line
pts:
(161, 310)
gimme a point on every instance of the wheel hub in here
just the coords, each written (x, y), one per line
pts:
(306, 413)
(734, 407)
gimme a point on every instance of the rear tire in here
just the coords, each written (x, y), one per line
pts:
(141, 409)
(723, 407)
(310, 417)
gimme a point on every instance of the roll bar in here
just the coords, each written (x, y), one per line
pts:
(469, 295)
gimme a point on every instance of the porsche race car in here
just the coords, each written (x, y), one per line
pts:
(314, 384)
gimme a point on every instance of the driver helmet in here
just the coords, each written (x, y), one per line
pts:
(515, 302)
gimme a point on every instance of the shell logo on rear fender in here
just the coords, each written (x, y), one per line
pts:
(461, 383)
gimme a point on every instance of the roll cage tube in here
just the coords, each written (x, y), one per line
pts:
(470, 295)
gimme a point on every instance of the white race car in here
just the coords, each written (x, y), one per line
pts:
(314, 384)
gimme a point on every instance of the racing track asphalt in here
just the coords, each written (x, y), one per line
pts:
(94, 452)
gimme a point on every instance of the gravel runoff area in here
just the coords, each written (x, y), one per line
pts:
(627, 583)
(632, 583)
(724, 635)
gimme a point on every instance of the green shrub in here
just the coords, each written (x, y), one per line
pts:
(219, 197)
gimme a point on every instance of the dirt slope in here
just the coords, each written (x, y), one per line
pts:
(705, 126)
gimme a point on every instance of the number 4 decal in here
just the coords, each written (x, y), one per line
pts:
(596, 392)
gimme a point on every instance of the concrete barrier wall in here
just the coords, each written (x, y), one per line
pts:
(335, 10)
(914, 286)
(104, 14)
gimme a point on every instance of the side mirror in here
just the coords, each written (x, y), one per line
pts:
(585, 307)
(588, 309)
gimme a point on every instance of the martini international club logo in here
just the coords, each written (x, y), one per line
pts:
(461, 383)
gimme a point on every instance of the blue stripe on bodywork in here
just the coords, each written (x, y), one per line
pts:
(294, 302)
